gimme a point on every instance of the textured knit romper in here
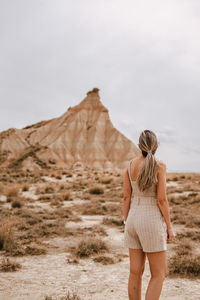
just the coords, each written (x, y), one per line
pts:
(145, 226)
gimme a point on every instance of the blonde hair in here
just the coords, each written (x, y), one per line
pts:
(147, 175)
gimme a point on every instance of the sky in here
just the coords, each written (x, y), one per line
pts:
(144, 56)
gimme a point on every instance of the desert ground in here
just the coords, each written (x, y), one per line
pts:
(61, 236)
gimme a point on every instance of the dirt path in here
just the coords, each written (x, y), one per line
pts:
(51, 275)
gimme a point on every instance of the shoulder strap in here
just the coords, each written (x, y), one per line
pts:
(129, 170)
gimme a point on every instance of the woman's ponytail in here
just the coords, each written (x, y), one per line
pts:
(147, 175)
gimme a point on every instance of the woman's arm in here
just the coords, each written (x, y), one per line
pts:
(161, 194)
(127, 194)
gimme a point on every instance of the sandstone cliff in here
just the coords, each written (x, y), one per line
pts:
(83, 133)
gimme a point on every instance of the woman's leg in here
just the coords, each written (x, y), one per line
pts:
(158, 268)
(137, 264)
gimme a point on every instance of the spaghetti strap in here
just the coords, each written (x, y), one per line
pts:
(129, 171)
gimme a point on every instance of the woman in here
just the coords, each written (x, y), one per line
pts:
(147, 218)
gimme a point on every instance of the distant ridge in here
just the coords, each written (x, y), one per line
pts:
(84, 133)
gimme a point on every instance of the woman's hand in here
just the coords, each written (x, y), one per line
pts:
(170, 234)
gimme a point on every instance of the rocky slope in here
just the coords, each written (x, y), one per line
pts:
(83, 133)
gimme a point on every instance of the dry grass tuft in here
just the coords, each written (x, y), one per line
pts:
(95, 209)
(184, 247)
(105, 260)
(72, 261)
(8, 266)
(184, 265)
(49, 189)
(192, 235)
(175, 179)
(98, 229)
(90, 246)
(96, 190)
(112, 221)
(195, 200)
(69, 296)
(7, 241)
(17, 203)
(45, 189)
(35, 251)
(25, 188)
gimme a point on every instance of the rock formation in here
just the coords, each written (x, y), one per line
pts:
(83, 133)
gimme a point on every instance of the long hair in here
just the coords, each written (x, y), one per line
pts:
(147, 175)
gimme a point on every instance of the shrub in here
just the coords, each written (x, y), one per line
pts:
(175, 179)
(193, 235)
(98, 229)
(25, 188)
(184, 248)
(72, 261)
(52, 161)
(195, 200)
(185, 265)
(8, 266)
(6, 235)
(44, 198)
(112, 221)
(105, 260)
(68, 175)
(16, 204)
(49, 189)
(69, 296)
(96, 209)
(96, 190)
(193, 194)
(35, 251)
(175, 200)
(90, 246)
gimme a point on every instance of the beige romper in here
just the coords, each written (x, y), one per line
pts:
(145, 226)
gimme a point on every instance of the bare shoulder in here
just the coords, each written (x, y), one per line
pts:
(161, 166)
(135, 159)
(131, 161)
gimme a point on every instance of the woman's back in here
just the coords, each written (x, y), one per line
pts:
(134, 168)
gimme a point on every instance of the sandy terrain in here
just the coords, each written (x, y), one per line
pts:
(54, 274)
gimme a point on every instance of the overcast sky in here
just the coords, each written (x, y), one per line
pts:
(144, 56)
